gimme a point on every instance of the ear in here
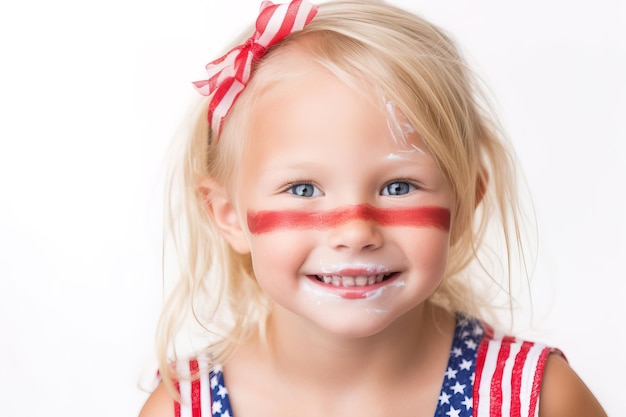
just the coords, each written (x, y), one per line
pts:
(222, 211)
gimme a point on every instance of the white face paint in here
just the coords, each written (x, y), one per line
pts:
(400, 128)
(317, 292)
(371, 297)
(405, 154)
(376, 301)
(379, 291)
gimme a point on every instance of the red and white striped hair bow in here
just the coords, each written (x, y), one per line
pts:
(229, 74)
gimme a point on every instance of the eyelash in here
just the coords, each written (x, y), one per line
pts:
(289, 186)
(411, 183)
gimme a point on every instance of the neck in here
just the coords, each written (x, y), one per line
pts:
(406, 346)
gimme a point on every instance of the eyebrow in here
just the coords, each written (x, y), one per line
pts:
(272, 220)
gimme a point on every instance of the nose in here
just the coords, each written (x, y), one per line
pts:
(362, 234)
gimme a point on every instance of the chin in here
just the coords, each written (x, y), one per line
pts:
(367, 323)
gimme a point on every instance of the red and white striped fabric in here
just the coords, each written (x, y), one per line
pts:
(195, 391)
(508, 377)
(229, 74)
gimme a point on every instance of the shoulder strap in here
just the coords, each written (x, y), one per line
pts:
(508, 377)
(194, 387)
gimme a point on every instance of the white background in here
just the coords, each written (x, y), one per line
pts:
(92, 92)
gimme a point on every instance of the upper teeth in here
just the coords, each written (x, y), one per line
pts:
(351, 281)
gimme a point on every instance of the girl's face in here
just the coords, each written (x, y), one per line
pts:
(347, 223)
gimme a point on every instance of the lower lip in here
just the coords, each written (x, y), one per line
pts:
(355, 293)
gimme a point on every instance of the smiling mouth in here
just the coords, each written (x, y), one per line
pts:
(353, 281)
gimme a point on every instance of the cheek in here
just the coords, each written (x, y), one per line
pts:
(277, 257)
(430, 251)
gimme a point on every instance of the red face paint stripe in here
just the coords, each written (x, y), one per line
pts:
(269, 221)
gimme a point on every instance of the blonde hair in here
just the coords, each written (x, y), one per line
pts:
(410, 63)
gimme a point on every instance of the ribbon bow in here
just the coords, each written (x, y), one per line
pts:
(229, 74)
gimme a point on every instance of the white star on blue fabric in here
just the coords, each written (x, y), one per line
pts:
(222, 391)
(451, 373)
(221, 404)
(467, 402)
(465, 365)
(458, 388)
(444, 398)
(455, 399)
(471, 344)
(217, 406)
(453, 412)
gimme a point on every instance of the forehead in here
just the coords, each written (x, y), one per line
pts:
(298, 101)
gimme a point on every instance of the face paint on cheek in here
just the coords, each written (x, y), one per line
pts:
(269, 221)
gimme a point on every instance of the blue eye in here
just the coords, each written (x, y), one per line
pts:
(304, 190)
(398, 188)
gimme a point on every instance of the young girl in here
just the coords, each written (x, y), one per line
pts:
(333, 203)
